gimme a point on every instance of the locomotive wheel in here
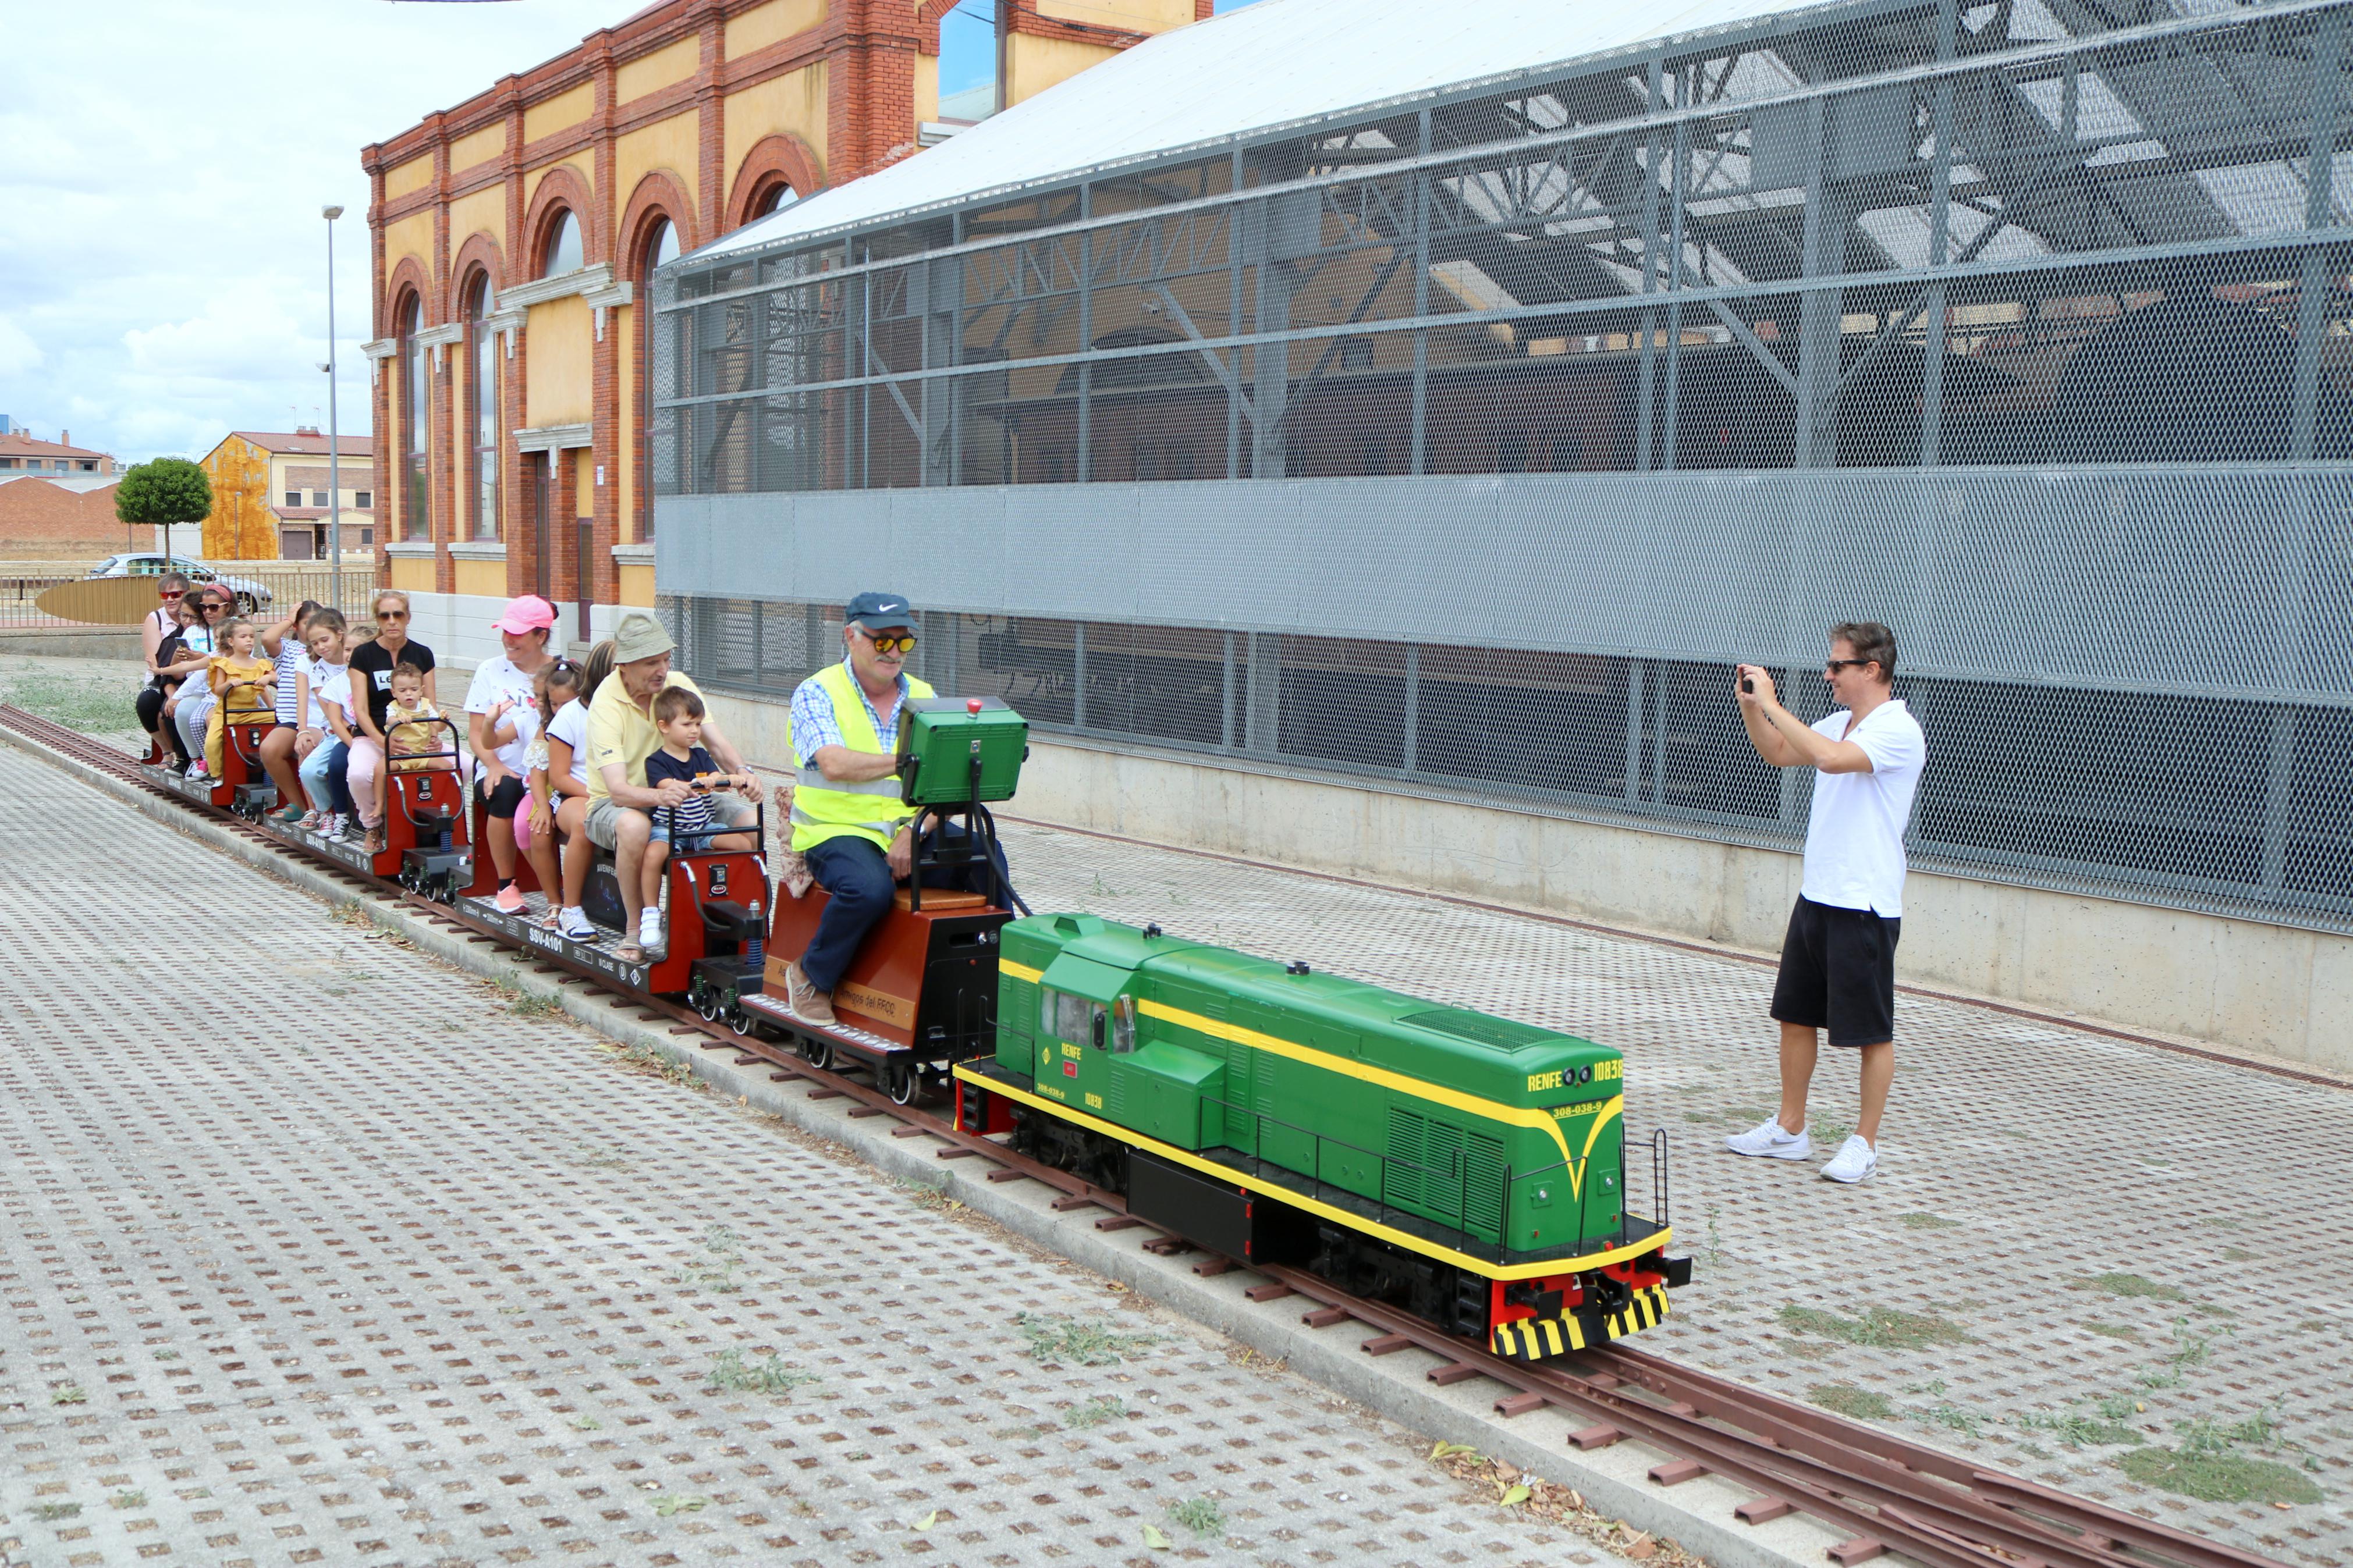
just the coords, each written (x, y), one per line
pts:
(739, 1021)
(817, 1052)
(899, 1081)
(705, 1001)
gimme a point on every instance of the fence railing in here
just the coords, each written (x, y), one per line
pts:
(269, 589)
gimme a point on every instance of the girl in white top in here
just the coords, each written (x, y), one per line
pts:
(559, 798)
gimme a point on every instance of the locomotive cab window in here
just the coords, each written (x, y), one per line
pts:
(1123, 1025)
(1073, 1020)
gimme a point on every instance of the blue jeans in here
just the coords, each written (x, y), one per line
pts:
(322, 777)
(856, 877)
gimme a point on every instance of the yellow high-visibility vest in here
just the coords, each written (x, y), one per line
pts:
(823, 809)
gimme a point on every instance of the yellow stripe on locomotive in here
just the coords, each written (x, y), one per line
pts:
(1478, 1159)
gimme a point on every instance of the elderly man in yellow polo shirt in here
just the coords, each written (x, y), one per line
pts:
(621, 736)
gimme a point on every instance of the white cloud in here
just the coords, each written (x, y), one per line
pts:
(18, 352)
(162, 256)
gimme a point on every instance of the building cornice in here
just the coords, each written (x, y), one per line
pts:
(603, 300)
(553, 438)
(588, 279)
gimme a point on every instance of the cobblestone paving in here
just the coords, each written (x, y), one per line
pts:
(314, 1251)
(2098, 1246)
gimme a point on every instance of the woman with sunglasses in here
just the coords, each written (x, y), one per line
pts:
(163, 624)
(190, 706)
(371, 672)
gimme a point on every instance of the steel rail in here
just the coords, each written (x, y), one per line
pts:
(1939, 1508)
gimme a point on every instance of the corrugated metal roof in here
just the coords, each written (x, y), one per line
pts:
(1277, 63)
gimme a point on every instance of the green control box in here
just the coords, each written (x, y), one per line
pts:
(940, 738)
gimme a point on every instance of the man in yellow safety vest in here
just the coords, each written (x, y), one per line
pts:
(849, 822)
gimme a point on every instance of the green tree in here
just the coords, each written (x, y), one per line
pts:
(164, 492)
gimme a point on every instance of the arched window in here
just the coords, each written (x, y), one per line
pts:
(661, 247)
(562, 253)
(482, 404)
(410, 520)
(775, 199)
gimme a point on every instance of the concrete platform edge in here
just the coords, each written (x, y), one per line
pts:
(1697, 1514)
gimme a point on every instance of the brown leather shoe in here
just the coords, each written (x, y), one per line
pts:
(804, 1001)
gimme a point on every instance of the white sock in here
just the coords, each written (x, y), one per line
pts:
(649, 925)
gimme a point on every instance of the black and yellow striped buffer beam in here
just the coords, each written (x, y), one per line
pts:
(1536, 1339)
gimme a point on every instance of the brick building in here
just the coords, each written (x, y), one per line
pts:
(270, 497)
(512, 234)
(61, 517)
(21, 454)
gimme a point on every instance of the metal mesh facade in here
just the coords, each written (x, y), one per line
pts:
(1462, 442)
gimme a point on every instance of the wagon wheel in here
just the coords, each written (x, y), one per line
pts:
(817, 1051)
(899, 1082)
(740, 1021)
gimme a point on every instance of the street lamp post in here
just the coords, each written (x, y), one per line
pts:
(334, 438)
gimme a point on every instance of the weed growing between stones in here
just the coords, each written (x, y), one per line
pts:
(1879, 1328)
(2075, 1430)
(730, 1372)
(2131, 1287)
(715, 1270)
(1201, 1515)
(46, 1511)
(1054, 1341)
(1095, 1411)
(2113, 1330)
(1854, 1404)
(1558, 1505)
(1928, 1222)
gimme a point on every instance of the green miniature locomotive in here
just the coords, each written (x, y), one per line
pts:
(1465, 1167)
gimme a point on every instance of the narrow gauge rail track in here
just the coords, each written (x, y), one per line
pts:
(1933, 1507)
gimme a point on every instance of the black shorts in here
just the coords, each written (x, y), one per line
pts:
(506, 798)
(1838, 972)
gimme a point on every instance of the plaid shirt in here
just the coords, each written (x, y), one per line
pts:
(815, 726)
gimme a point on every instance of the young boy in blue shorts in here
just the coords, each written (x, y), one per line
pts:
(703, 819)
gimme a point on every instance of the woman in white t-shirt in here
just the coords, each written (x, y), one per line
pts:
(502, 710)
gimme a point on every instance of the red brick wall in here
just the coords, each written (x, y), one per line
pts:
(35, 512)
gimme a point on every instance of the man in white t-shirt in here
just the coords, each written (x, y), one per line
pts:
(1838, 961)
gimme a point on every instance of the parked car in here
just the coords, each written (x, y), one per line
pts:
(250, 596)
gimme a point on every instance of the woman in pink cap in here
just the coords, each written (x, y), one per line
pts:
(503, 716)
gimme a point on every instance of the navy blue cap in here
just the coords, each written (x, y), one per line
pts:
(875, 610)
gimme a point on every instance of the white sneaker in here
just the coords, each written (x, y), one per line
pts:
(649, 930)
(1767, 1139)
(1855, 1160)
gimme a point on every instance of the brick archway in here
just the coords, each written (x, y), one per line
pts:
(478, 254)
(560, 188)
(658, 196)
(407, 278)
(774, 160)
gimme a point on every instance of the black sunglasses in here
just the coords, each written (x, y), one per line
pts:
(1833, 666)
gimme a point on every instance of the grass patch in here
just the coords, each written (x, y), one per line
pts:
(46, 1511)
(1854, 1404)
(766, 1375)
(2237, 1255)
(68, 1395)
(2079, 1431)
(2132, 1287)
(2218, 1477)
(1054, 1340)
(1832, 1134)
(1200, 1515)
(1929, 1222)
(1095, 1411)
(652, 1063)
(2113, 1330)
(530, 1006)
(1879, 1328)
(129, 1499)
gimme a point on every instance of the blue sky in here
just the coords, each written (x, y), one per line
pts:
(163, 263)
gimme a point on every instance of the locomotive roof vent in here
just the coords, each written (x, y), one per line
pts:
(1296, 966)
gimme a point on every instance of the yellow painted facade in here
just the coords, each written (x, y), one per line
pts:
(1144, 16)
(487, 578)
(566, 109)
(927, 88)
(411, 576)
(411, 235)
(413, 175)
(652, 73)
(769, 23)
(1033, 64)
(479, 212)
(556, 390)
(637, 585)
(241, 526)
(793, 102)
(478, 147)
(668, 145)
